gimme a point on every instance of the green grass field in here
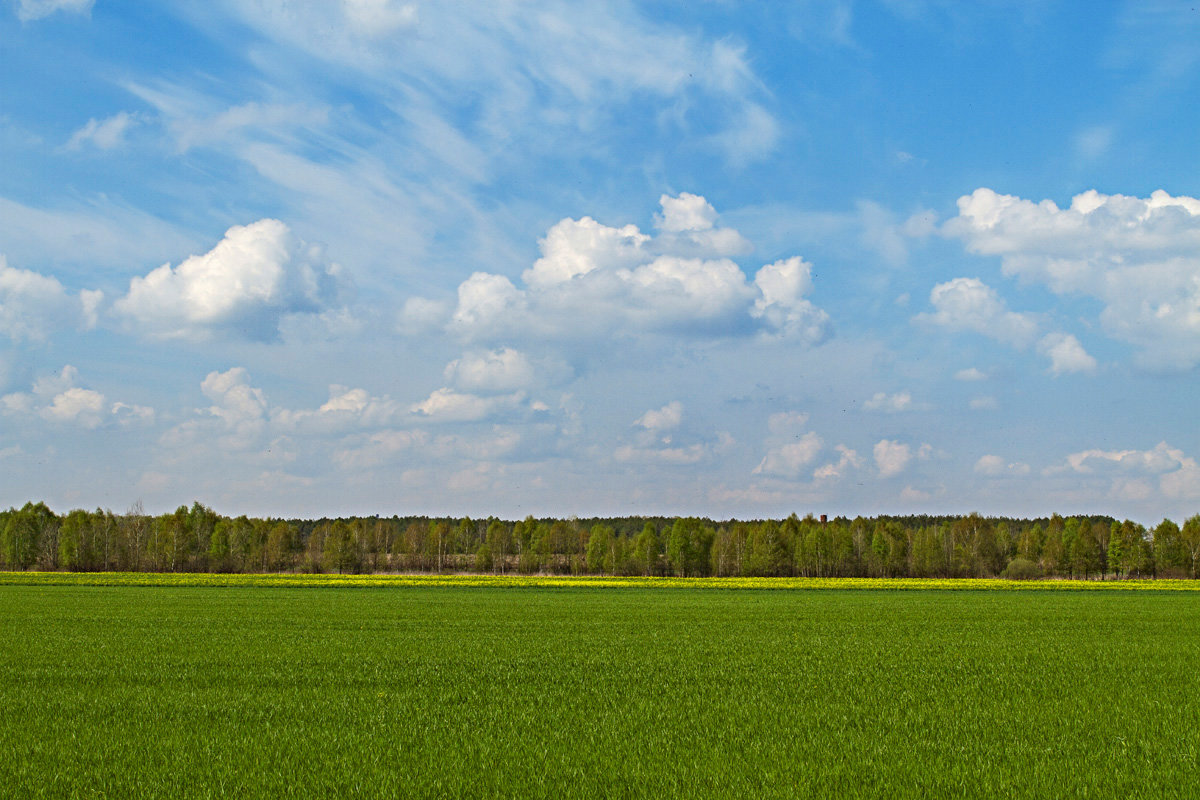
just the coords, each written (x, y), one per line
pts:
(579, 691)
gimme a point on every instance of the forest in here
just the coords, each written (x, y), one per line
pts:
(197, 539)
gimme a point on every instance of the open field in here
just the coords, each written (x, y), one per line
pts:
(573, 690)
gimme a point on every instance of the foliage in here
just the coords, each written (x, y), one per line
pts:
(197, 539)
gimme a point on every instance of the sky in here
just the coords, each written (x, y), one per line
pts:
(309, 258)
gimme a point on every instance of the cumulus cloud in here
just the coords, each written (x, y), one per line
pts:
(242, 287)
(346, 409)
(790, 448)
(37, 9)
(970, 374)
(240, 418)
(499, 370)
(32, 306)
(595, 280)
(848, 459)
(662, 419)
(241, 408)
(969, 304)
(1177, 473)
(655, 441)
(1139, 257)
(781, 304)
(448, 405)
(891, 457)
(1066, 354)
(59, 399)
(994, 466)
(890, 403)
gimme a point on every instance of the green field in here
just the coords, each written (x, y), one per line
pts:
(114, 691)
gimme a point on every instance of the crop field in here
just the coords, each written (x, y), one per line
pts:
(587, 690)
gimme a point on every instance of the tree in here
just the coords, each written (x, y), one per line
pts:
(645, 550)
(499, 542)
(1087, 550)
(1189, 537)
(766, 550)
(1169, 552)
(600, 548)
(74, 541)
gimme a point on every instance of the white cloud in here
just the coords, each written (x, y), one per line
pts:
(752, 138)
(662, 419)
(448, 405)
(690, 454)
(240, 407)
(104, 134)
(193, 131)
(784, 423)
(781, 303)
(994, 466)
(891, 403)
(575, 247)
(346, 409)
(968, 304)
(788, 460)
(57, 398)
(891, 457)
(32, 306)
(242, 287)
(558, 65)
(1131, 472)
(849, 459)
(37, 9)
(502, 370)
(687, 212)
(379, 448)
(688, 226)
(1156, 461)
(594, 280)
(970, 374)
(83, 406)
(1066, 354)
(488, 302)
(1137, 256)
(379, 17)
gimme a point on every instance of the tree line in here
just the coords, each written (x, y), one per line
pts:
(197, 539)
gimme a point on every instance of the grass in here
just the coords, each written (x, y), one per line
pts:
(575, 691)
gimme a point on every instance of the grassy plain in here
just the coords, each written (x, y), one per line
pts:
(586, 691)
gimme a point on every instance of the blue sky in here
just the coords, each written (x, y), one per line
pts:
(307, 258)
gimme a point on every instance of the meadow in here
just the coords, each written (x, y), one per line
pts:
(580, 689)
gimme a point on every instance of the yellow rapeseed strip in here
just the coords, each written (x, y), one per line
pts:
(576, 581)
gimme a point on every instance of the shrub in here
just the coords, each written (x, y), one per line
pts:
(1021, 569)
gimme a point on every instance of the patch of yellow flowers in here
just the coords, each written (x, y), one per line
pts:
(572, 581)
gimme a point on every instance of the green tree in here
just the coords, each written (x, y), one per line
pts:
(600, 548)
(646, 550)
(1087, 559)
(1189, 538)
(1168, 546)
